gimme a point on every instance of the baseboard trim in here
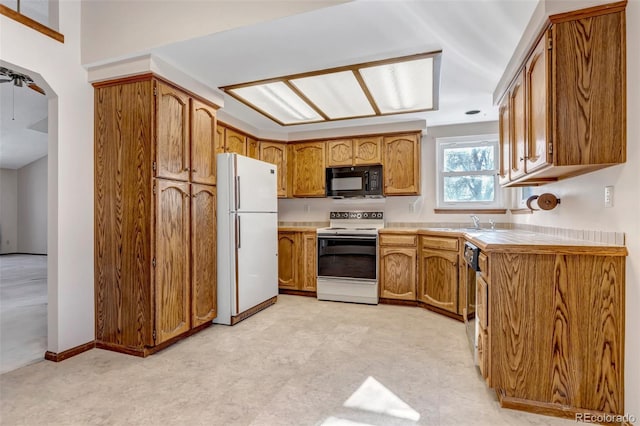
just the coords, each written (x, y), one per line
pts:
(441, 311)
(298, 292)
(399, 302)
(252, 311)
(554, 410)
(57, 357)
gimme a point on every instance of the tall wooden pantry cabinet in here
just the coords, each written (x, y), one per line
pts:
(155, 217)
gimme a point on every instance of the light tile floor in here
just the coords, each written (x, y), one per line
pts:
(295, 363)
(23, 310)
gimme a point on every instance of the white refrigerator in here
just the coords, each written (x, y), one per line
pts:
(247, 235)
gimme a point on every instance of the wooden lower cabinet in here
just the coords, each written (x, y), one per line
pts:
(555, 342)
(398, 266)
(203, 255)
(297, 260)
(438, 271)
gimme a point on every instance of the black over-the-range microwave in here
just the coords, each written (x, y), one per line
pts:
(357, 181)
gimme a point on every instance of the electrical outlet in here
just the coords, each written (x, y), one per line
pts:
(608, 196)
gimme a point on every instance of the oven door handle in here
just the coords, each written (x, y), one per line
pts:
(347, 237)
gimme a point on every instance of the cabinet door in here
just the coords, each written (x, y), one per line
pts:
(401, 160)
(538, 123)
(439, 279)
(398, 273)
(367, 151)
(203, 143)
(203, 252)
(172, 133)
(172, 259)
(235, 142)
(308, 261)
(221, 132)
(505, 142)
(339, 153)
(287, 260)
(253, 148)
(276, 153)
(518, 135)
(308, 169)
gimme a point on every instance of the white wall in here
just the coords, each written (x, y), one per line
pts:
(118, 29)
(583, 208)
(32, 207)
(8, 211)
(401, 208)
(70, 170)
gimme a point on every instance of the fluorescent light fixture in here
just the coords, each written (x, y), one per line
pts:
(401, 86)
(278, 101)
(390, 86)
(338, 95)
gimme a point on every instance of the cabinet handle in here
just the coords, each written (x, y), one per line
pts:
(521, 158)
(186, 169)
(194, 170)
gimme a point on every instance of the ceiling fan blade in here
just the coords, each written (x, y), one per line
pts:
(37, 88)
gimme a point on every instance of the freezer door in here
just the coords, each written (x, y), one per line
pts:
(257, 251)
(255, 185)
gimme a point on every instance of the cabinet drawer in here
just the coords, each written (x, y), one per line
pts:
(442, 243)
(398, 240)
(483, 262)
(481, 302)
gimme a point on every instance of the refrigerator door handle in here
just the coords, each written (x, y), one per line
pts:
(238, 233)
(237, 192)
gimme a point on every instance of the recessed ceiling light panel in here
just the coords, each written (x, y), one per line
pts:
(278, 101)
(338, 95)
(401, 86)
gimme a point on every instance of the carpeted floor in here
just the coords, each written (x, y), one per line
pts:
(295, 363)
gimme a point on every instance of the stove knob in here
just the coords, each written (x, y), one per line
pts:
(359, 216)
(365, 215)
(345, 215)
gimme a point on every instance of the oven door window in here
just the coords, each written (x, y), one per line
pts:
(347, 257)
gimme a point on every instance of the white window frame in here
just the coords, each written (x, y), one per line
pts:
(476, 140)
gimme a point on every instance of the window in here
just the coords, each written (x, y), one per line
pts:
(467, 172)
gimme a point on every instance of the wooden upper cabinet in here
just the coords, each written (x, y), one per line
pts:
(438, 285)
(287, 260)
(172, 132)
(203, 145)
(367, 151)
(537, 87)
(276, 153)
(220, 139)
(401, 161)
(203, 254)
(172, 271)
(518, 127)
(253, 148)
(505, 142)
(567, 107)
(398, 271)
(235, 142)
(340, 153)
(308, 169)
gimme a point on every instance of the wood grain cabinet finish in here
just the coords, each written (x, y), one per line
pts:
(172, 278)
(340, 153)
(155, 237)
(253, 148)
(398, 272)
(556, 340)
(203, 145)
(172, 147)
(401, 161)
(288, 260)
(235, 142)
(505, 142)
(571, 90)
(276, 153)
(297, 260)
(438, 284)
(367, 150)
(221, 132)
(203, 254)
(308, 169)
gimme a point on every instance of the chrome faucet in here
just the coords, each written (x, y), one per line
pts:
(493, 224)
(476, 221)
